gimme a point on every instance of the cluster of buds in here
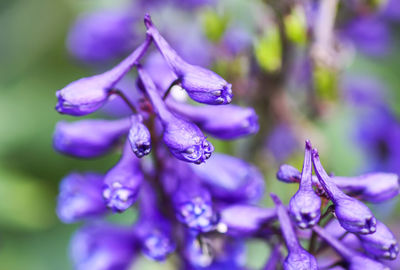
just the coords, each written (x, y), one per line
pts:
(185, 204)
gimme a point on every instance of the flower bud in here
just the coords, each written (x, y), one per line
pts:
(298, 258)
(139, 137)
(382, 244)
(101, 36)
(123, 181)
(355, 260)
(231, 179)
(88, 138)
(201, 84)
(288, 174)
(223, 122)
(353, 215)
(103, 247)
(183, 138)
(255, 217)
(304, 206)
(86, 95)
(80, 197)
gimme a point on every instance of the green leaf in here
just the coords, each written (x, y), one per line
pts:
(295, 26)
(214, 25)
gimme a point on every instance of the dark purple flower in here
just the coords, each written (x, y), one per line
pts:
(369, 34)
(297, 258)
(244, 219)
(103, 247)
(352, 214)
(202, 85)
(88, 138)
(373, 187)
(101, 36)
(80, 197)
(183, 138)
(304, 206)
(231, 179)
(288, 174)
(223, 122)
(356, 260)
(139, 137)
(382, 244)
(123, 181)
(86, 95)
(281, 142)
(153, 229)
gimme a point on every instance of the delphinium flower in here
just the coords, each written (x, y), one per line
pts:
(355, 260)
(179, 203)
(352, 214)
(202, 85)
(304, 206)
(298, 258)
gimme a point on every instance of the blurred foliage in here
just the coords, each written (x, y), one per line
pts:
(268, 50)
(295, 26)
(214, 25)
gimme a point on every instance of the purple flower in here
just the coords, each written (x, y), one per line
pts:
(373, 187)
(297, 258)
(304, 206)
(281, 142)
(235, 180)
(288, 174)
(86, 95)
(183, 138)
(382, 244)
(153, 229)
(352, 214)
(391, 10)
(80, 197)
(101, 36)
(244, 220)
(88, 138)
(103, 247)
(201, 84)
(369, 34)
(159, 71)
(123, 181)
(356, 260)
(223, 122)
(139, 137)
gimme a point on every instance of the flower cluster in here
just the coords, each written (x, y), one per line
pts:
(184, 201)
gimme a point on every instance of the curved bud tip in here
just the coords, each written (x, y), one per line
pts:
(277, 201)
(118, 197)
(288, 174)
(308, 144)
(147, 20)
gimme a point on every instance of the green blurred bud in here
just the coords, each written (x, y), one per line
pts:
(214, 25)
(325, 82)
(296, 26)
(268, 50)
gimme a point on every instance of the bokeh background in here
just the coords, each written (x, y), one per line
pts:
(35, 63)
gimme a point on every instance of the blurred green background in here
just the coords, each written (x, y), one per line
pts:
(34, 64)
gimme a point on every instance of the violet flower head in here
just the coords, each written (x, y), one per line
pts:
(201, 84)
(88, 138)
(193, 204)
(80, 197)
(139, 137)
(355, 260)
(382, 244)
(183, 138)
(226, 122)
(298, 258)
(86, 95)
(244, 219)
(353, 215)
(101, 36)
(235, 180)
(103, 247)
(288, 174)
(305, 205)
(123, 181)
